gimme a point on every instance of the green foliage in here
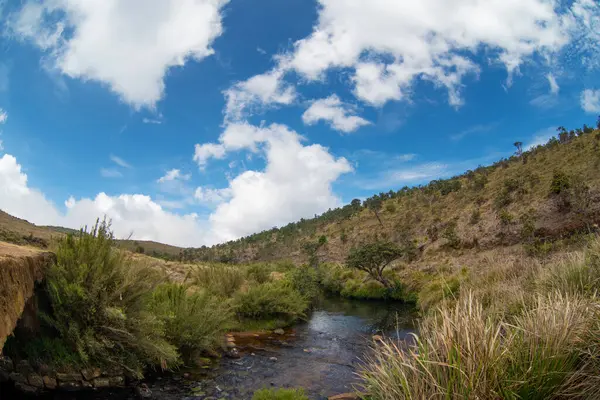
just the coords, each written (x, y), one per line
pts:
(511, 184)
(503, 199)
(528, 220)
(99, 304)
(220, 280)
(279, 394)
(451, 236)
(276, 299)
(373, 258)
(259, 273)
(305, 280)
(390, 207)
(505, 218)
(194, 321)
(560, 183)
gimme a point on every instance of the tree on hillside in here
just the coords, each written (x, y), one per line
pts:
(519, 146)
(598, 122)
(373, 258)
(374, 204)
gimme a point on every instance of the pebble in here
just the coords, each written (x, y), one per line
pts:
(272, 358)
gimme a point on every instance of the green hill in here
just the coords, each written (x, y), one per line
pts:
(533, 198)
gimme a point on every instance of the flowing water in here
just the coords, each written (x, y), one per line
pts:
(321, 355)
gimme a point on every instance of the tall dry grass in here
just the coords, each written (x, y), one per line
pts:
(537, 339)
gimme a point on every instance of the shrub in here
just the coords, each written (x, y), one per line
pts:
(560, 183)
(390, 207)
(271, 300)
(259, 273)
(511, 184)
(194, 321)
(505, 218)
(279, 394)
(305, 280)
(502, 199)
(451, 236)
(99, 303)
(219, 280)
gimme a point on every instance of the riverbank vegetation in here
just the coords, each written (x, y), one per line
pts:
(515, 328)
(106, 309)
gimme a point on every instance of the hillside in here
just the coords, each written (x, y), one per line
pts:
(22, 232)
(547, 193)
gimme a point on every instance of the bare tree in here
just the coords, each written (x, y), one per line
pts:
(519, 146)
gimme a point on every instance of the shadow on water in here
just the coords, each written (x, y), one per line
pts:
(321, 355)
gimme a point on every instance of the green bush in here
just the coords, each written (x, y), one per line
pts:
(270, 300)
(99, 304)
(561, 183)
(219, 279)
(279, 394)
(259, 273)
(306, 281)
(194, 321)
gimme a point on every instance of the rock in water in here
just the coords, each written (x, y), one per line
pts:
(143, 391)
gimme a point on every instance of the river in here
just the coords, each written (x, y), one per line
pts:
(320, 355)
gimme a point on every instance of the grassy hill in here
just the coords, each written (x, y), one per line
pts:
(22, 232)
(533, 198)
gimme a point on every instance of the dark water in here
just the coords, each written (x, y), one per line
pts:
(321, 355)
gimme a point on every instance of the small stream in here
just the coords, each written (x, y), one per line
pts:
(320, 355)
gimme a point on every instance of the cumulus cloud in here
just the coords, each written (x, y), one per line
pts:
(131, 214)
(206, 151)
(127, 45)
(430, 39)
(3, 116)
(259, 91)
(209, 196)
(173, 175)
(590, 101)
(338, 114)
(295, 183)
(18, 199)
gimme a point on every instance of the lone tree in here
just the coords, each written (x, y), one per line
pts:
(519, 146)
(374, 204)
(373, 258)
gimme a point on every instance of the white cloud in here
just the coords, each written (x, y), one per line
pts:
(257, 92)
(554, 88)
(481, 128)
(131, 214)
(127, 45)
(119, 161)
(18, 199)
(3, 116)
(335, 112)
(590, 101)
(110, 173)
(212, 196)
(390, 44)
(296, 181)
(173, 175)
(152, 121)
(205, 152)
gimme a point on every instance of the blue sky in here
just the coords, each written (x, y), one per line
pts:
(193, 122)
